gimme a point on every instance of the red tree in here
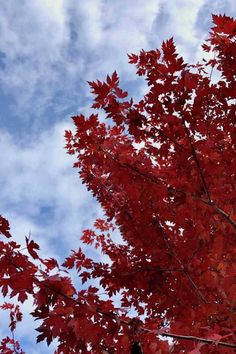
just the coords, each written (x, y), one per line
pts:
(164, 174)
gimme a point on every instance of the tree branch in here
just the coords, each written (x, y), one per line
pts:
(221, 212)
(209, 201)
(198, 339)
(159, 131)
(186, 274)
(194, 155)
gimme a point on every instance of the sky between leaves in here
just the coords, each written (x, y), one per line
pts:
(48, 50)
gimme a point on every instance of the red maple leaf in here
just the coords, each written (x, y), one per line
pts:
(4, 227)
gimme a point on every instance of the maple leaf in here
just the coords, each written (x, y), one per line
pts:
(113, 80)
(69, 262)
(32, 246)
(22, 296)
(50, 263)
(4, 227)
(133, 58)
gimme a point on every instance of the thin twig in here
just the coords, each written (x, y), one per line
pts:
(168, 137)
(209, 201)
(194, 155)
(198, 339)
(220, 211)
(184, 270)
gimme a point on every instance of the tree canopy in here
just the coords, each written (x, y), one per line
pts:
(163, 170)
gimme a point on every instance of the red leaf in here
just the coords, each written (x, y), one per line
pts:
(31, 247)
(50, 263)
(4, 227)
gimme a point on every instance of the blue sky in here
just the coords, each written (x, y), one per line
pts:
(48, 50)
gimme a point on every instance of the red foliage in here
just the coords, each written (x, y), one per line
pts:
(164, 174)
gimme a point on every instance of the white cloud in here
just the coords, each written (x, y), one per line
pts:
(40, 185)
(33, 35)
(110, 30)
(52, 47)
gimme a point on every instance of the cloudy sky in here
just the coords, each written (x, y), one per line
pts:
(48, 50)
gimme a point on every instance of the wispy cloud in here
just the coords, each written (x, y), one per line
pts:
(50, 47)
(39, 184)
